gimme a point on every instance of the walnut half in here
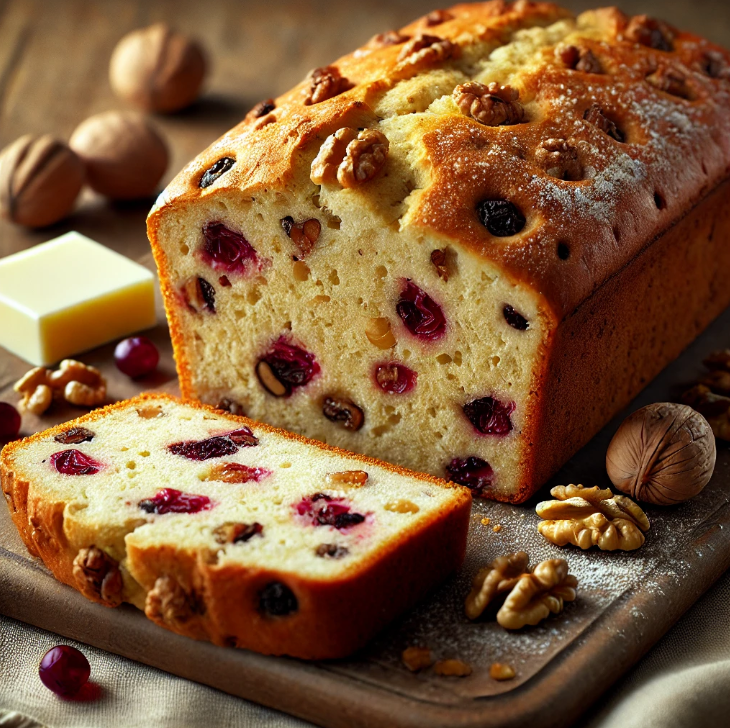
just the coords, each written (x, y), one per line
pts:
(491, 105)
(97, 576)
(588, 517)
(350, 157)
(535, 596)
(497, 578)
(169, 604)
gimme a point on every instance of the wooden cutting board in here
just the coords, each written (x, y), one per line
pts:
(626, 602)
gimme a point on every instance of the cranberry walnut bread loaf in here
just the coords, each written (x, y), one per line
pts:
(227, 530)
(465, 246)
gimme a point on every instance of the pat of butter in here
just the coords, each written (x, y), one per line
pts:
(70, 295)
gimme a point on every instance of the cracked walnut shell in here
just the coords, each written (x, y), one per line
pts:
(663, 454)
(588, 517)
(491, 105)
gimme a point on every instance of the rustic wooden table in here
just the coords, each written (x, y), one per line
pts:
(53, 74)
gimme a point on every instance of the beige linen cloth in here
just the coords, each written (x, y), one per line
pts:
(684, 682)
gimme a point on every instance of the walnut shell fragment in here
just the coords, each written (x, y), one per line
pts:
(663, 454)
(588, 517)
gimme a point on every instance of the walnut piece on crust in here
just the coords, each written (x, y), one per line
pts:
(595, 115)
(350, 157)
(325, 83)
(426, 50)
(671, 81)
(437, 17)
(385, 40)
(497, 578)
(169, 604)
(364, 158)
(588, 517)
(559, 158)
(98, 577)
(650, 32)
(537, 595)
(491, 105)
(578, 59)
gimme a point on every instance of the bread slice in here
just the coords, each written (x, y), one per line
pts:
(228, 530)
(463, 247)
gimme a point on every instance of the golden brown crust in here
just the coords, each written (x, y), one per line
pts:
(187, 592)
(674, 146)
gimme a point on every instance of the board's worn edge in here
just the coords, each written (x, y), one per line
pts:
(553, 697)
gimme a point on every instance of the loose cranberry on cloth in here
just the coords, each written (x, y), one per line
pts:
(64, 670)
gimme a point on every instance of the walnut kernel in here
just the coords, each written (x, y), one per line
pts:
(417, 658)
(426, 50)
(347, 478)
(497, 578)
(713, 407)
(588, 517)
(650, 32)
(379, 333)
(402, 506)
(364, 158)
(501, 671)
(325, 83)
(536, 595)
(390, 38)
(98, 577)
(304, 235)
(491, 105)
(559, 158)
(168, 603)
(596, 116)
(452, 668)
(663, 453)
(579, 59)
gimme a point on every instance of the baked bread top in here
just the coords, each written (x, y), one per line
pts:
(602, 131)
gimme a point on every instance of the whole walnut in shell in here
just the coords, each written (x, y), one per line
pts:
(157, 69)
(40, 179)
(125, 157)
(663, 454)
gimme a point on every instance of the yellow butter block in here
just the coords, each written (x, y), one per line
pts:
(70, 295)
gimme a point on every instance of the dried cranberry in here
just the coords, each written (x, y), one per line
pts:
(473, 472)
(9, 421)
(136, 356)
(395, 378)
(514, 319)
(501, 217)
(169, 500)
(215, 447)
(490, 416)
(226, 250)
(217, 170)
(277, 600)
(207, 293)
(64, 670)
(74, 462)
(74, 436)
(422, 316)
(290, 365)
(325, 510)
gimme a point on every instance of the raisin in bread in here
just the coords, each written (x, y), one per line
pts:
(230, 531)
(462, 248)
